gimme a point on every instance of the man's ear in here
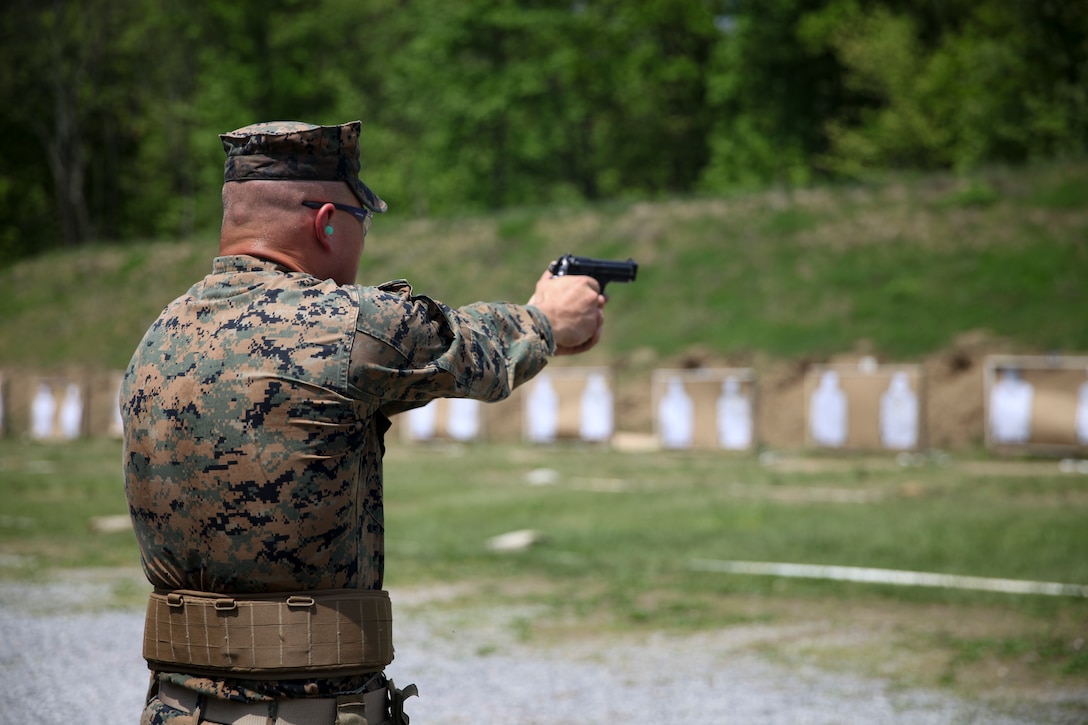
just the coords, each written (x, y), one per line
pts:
(323, 226)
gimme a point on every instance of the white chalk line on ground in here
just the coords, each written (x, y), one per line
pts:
(889, 576)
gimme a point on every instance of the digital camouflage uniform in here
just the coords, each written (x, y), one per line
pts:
(254, 413)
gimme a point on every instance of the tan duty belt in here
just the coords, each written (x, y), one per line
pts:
(274, 636)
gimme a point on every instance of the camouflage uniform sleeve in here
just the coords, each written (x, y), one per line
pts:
(410, 349)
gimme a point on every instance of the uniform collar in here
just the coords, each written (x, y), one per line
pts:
(245, 263)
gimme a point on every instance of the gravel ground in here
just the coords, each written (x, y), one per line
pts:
(471, 669)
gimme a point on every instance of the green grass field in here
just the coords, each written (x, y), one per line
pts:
(622, 529)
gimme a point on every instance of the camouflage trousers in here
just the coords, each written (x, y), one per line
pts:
(163, 709)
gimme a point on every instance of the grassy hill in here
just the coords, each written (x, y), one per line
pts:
(901, 267)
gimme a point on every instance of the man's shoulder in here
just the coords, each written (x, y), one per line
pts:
(397, 288)
(395, 297)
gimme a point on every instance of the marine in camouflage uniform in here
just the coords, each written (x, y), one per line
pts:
(255, 408)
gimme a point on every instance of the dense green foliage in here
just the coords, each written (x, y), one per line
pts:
(110, 108)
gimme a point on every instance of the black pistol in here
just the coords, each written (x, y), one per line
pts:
(602, 270)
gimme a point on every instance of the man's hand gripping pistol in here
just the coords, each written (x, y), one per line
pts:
(602, 270)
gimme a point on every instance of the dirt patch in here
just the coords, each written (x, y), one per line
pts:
(986, 652)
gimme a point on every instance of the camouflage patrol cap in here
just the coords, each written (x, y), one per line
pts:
(290, 150)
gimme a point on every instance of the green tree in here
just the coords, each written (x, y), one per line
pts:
(60, 64)
(110, 108)
(513, 102)
(769, 91)
(976, 82)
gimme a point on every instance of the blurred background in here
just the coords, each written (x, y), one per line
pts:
(802, 182)
(807, 185)
(111, 107)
